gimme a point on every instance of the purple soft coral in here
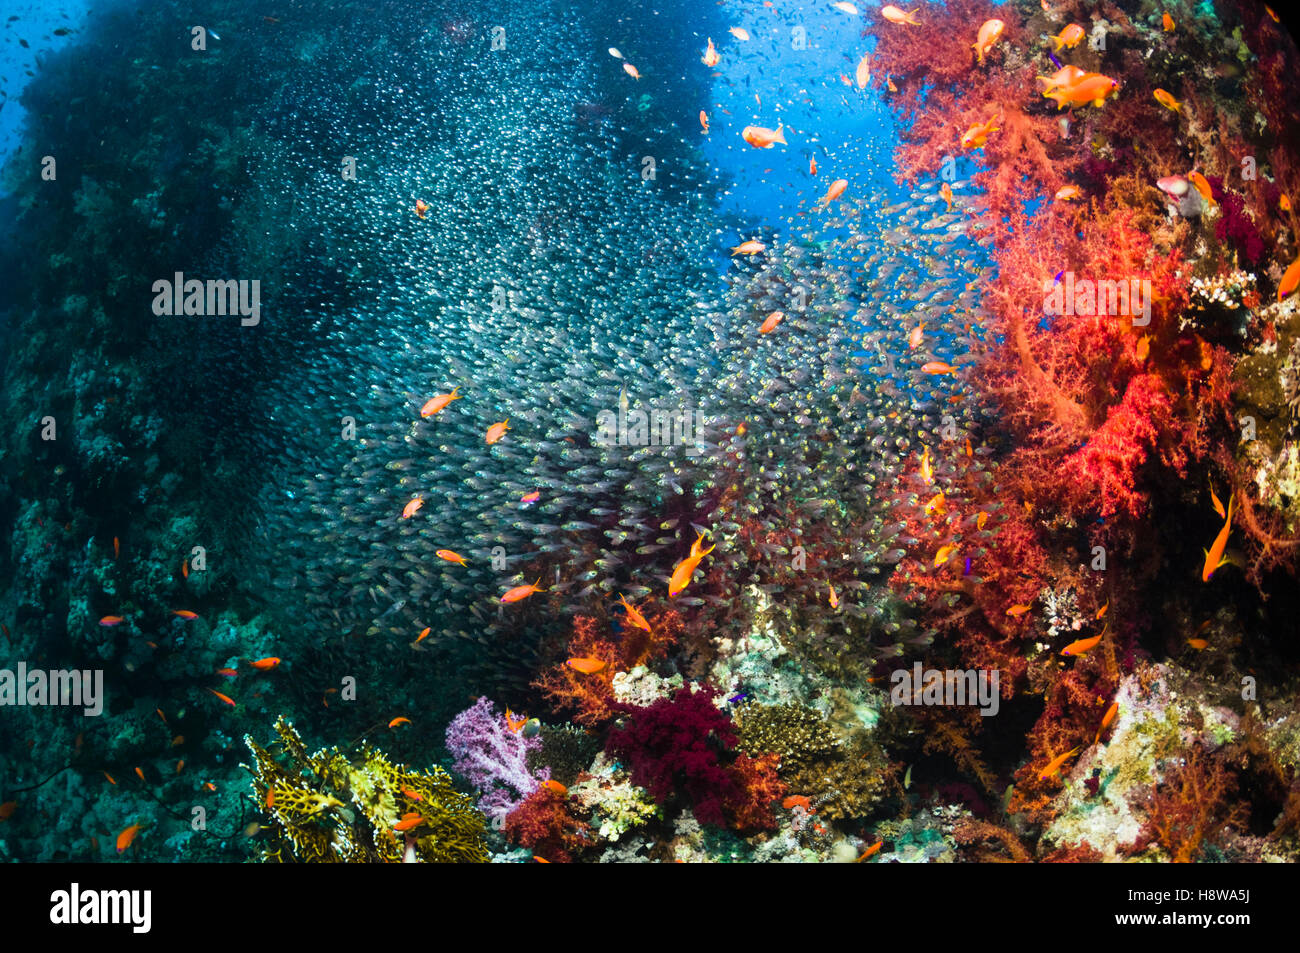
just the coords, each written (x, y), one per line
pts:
(493, 758)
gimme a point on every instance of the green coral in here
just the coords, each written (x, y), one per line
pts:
(799, 735)
(328, 808)
(566, 750)
(844, 778)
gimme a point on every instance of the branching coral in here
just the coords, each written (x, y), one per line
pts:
(1191, 806)
(493, 757)
(326, 807)
(590, 696)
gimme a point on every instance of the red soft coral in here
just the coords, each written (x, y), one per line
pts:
(543, 823)
(589, 696)
(759, 788)
(675, 745)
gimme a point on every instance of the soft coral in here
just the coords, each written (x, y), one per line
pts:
(676, 745)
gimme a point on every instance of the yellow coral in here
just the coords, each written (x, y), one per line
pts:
(325, 808)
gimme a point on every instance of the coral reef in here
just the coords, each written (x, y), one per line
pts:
(329, 808)
(494, 757)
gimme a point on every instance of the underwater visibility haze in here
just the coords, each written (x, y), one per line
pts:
(667, 431)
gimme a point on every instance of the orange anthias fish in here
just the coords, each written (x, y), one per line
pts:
(1167, 22)
(1217, 504)
(797, 800)
(1106, 719)
(863, 72)
(522, 592)
(265, 664)
(769, 325)
(1090, 88)
(739, 32)
(1083, 646)
(945, 191)
(634, 616)
(833, 599)
(631, 71)
(710, 57)
(1067, 193)
(497, 431)
(424, 634)
(1290, 280)
(1166, 99)
(1065, 77)
(914, 339)
(554, 785)
(761, 137)
(1018, 609)
(751, 247)
(185, 614)
(895, 15)
(812, 166)
(408, 821)
(225, 698)
(835, 191)
(515, 724)
(117, 548)
(944, 554)
(1202, 186)
(681, 576)
(1068, 38)
(989, 34)
(421, 206)
(399, 720)
(927, 472)
(111, 620)
(125, 838)
(870, 851)
(439, 401)
(451, 557)
(704, 121)
(938, 367)
(228, 672)
(978, 134)
(1055, 764)
(411, 508)
(586, 665)
(1199, 644)
(1214, 557)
